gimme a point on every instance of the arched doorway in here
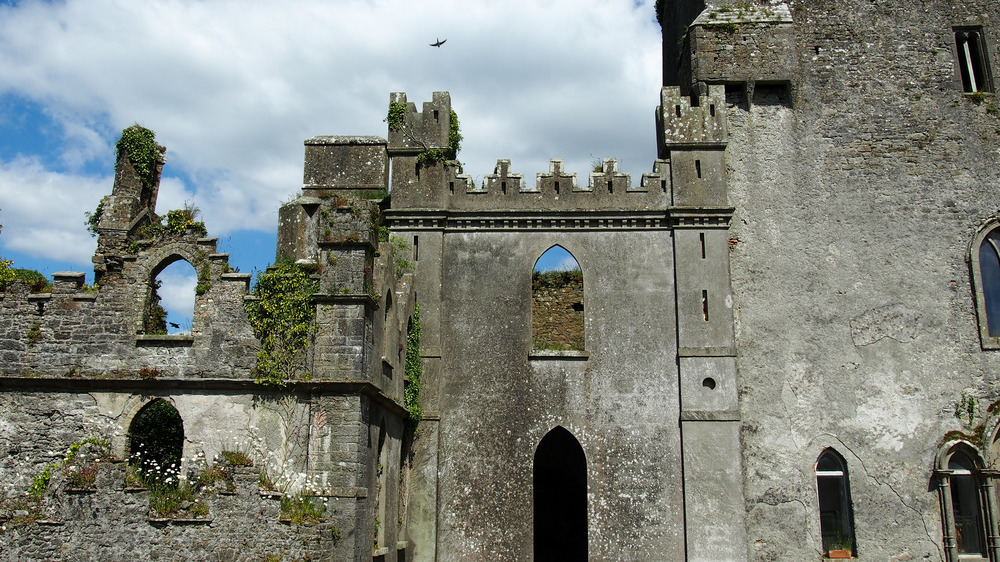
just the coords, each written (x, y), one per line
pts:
(156, 442)
(560, 498)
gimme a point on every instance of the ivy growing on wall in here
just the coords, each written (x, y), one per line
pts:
(281, 316)
(94, 219)
(396, 119)
(413, 370)
(139, 143)
(397, 116)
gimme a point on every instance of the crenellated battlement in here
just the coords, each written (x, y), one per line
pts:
(555, 190)
(411, 131)
(697, 120)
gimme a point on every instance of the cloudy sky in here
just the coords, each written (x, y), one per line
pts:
(232, 88)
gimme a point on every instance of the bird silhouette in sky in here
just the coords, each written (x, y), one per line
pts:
(437, 42)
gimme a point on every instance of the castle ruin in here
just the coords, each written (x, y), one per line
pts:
(789, 327)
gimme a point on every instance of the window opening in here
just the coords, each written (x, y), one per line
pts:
(557, 301)
(965, 505)
(704, 304)
(380, 514)
(416, 248)
(560, 498)
(989, 277)
(156, 443)
(835, 511)
(503, 187)
(697, 167)
(170, 299)
(387, 340)
(677, 109)
(701, 237)
(973, 64)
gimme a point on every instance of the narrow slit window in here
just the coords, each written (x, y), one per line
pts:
(557, 187)
(677, 109)
(503, 187)
(611, 187)
(973, 64)
(697, 167)
(711, 109)
(704, 304)
(701, 237)
(557, 305)
(451, 186)
(416, 248)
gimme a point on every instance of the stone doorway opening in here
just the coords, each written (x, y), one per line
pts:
(560, 498)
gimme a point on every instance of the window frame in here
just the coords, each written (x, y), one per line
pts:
(965, 60)
(845, 500)
(987, 342)
(984, 495)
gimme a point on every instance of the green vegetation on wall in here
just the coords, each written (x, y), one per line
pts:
(33, 279)
(281, 316)
(396, 119)
(139, 143)
(94, 219)
(413, 370)
(156, 442)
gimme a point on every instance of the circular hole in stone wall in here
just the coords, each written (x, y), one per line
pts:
(709, 383)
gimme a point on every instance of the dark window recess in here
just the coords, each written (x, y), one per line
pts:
(835, 514)
(965, 505)
(989, 271)
(973, 63)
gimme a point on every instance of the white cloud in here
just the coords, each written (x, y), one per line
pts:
(233, 88)
(42, 211)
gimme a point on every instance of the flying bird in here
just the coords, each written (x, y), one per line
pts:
(437, 42)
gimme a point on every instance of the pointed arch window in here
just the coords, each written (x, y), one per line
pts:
(170, 298)
(557, 320)
(836, 516)
(985, 265)
(560, 497)
(965, 499)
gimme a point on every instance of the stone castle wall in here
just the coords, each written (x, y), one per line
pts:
(860, 174)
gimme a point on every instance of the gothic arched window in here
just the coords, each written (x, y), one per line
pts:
(557, 302)
(985, 258)
(835, 513)
(961, 492)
